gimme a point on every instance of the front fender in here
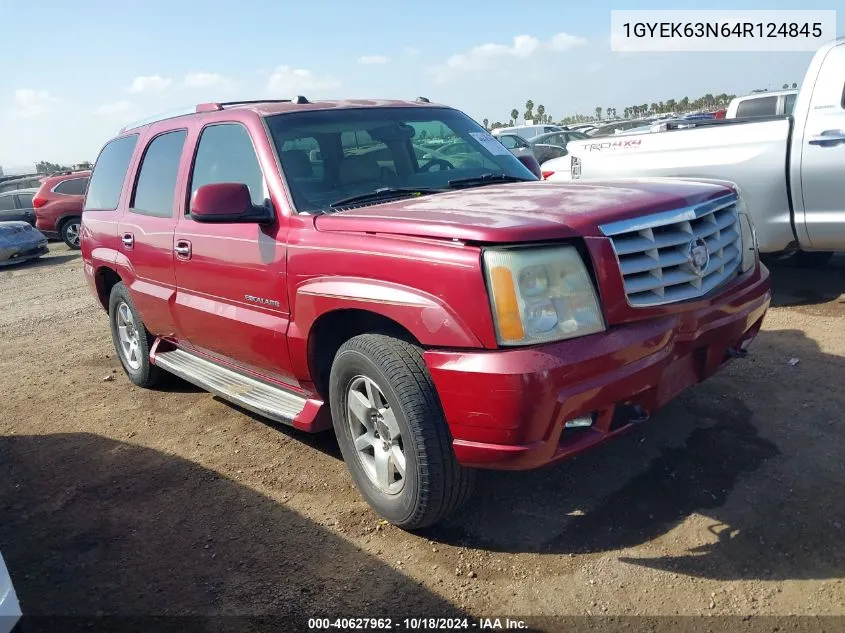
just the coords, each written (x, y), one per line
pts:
(426, 317)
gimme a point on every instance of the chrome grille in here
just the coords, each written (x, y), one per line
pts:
(656, 253)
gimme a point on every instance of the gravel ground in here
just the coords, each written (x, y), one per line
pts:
(117, 500)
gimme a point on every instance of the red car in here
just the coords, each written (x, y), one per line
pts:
(305, 262)
(58, 205)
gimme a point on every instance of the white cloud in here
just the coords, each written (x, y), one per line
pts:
(31, 103)
(115, 107)
(286, 82)
(410, 51)
(205, 80)
(368, 60)
(487, 55)
(149, 83)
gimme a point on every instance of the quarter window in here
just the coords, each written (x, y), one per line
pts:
(73, 187)
(225, 154)
(156, 188)
(110, 173)
(7, 203)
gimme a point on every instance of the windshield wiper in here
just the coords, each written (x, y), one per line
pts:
(385, 193)
(486, 179)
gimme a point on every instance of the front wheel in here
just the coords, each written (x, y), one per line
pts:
(392, 432)
(70, 232)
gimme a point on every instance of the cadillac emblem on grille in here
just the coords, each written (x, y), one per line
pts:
(698, 256)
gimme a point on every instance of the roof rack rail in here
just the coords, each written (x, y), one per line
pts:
(212, 106)
(170, 114)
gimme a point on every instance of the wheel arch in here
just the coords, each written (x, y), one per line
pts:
(105, 278)
(328, 311)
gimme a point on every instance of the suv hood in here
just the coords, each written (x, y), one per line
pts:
(521, 212)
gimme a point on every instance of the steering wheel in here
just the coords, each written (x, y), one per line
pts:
(444, 164)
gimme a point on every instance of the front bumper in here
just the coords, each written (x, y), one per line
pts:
(18, 254)
(506, 409)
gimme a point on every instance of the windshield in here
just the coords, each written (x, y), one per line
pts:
(332, 155)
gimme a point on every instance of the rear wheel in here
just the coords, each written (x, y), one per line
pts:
(392, 432)
(70, 231)
(131, 339)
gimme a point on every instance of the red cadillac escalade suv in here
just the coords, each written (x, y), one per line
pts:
(322, 264)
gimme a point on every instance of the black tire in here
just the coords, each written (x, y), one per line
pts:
(434, 483)
(145, 374)
(70, 232)
(811, 259)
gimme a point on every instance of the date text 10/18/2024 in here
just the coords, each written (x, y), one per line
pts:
(416, 624)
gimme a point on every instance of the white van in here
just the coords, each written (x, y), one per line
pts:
(529, 131)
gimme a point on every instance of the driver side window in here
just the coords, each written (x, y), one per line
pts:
(225, 154)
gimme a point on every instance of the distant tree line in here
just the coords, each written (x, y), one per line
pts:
(46, 167)
(677, 106)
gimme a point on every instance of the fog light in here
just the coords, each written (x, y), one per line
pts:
(579, 423)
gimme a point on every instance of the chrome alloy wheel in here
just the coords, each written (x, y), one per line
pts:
(72, 233)
(127, 334)
(376, 435)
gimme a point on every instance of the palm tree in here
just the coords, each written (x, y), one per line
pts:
(598, 112)
(486, 122)
(541, 110)
(794, 85)
(653, 108)
(529, 109)
(514, 115)
(785, 86)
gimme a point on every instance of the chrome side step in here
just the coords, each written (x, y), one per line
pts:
(259, 397)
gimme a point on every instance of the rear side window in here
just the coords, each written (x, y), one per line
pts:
(225, 154)
(25, 200)
(7, 203)
(764, 106)
(156, 187)
(72, 187)
(110, 173)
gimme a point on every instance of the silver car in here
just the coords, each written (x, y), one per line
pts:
(20, 241)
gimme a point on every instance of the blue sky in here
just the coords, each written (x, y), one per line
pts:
(71, 78)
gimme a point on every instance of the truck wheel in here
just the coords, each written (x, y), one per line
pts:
(70, 232)
(392, 433)
(131, 339)
(812, 259)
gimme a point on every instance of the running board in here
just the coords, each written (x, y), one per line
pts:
(259, 397)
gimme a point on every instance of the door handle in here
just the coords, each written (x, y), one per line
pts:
(828, 138)
(128, 240)
(183, 249)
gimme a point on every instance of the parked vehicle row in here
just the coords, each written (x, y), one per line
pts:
(789, 168)
(312, 262)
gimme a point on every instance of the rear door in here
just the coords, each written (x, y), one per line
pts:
(232, 300)
(146, 231)
(823, 156)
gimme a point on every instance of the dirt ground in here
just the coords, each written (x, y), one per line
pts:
(117, 500)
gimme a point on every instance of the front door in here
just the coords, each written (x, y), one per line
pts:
(823, 156)
(232, 299)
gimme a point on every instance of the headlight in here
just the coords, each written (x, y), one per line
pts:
(540, 294)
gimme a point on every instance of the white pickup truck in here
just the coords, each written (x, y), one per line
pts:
(790, 169)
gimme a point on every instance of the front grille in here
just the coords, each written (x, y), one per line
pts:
(660, 255)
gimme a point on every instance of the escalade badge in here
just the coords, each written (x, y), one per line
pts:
(698, 256)
(261, 300)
